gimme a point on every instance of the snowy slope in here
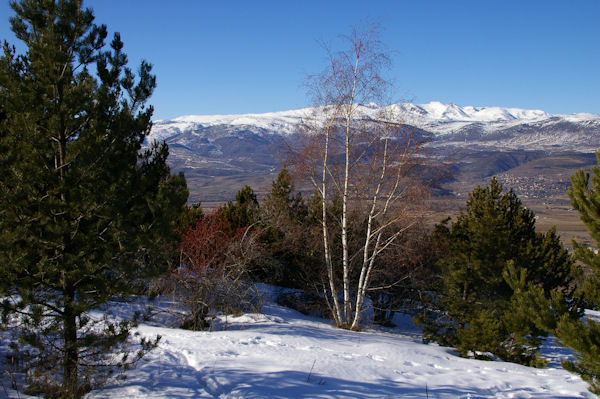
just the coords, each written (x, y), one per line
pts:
(248, 149)
(449, 124)
(431, 114)
(283, 354)
(439, 112)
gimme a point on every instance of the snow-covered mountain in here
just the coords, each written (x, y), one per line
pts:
(474, 127)
(435, 115)
(210, 146)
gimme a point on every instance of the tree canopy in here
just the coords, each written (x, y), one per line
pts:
(584, 338)
(244, 211)
(366, 160)
(87, 212)
(494, 269)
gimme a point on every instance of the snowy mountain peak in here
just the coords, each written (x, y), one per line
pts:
(209, 147)
(447, 123)
(436, 110)
(265, 120)
(430, 113)
(452, 112)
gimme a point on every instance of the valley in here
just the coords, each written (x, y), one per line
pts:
(530, 151)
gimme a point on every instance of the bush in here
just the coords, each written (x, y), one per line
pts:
(211, 275)
(305, 302)
(405, 278)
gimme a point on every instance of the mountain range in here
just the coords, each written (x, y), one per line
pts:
(221, 153)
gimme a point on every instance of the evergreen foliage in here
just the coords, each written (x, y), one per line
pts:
(190, 216)
(584, 338)
(281, 206)
(86, 215)
(585, 198)
(284, 234)
(244, 211)
(496, 271)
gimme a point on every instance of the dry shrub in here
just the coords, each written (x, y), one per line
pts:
(212, 275)
(305, 302)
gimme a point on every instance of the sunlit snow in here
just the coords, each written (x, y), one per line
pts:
(284, 354)
(448, 123)
(281, 353)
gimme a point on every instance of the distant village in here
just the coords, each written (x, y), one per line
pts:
(538, 187)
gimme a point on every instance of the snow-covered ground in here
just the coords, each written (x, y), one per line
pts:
(284, 354)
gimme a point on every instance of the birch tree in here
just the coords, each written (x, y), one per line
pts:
(358, 150)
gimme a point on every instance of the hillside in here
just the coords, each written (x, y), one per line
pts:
(220, 153)
(284, 354)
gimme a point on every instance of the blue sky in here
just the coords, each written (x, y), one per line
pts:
(221, 57)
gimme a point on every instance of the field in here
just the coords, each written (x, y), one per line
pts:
(540, 180)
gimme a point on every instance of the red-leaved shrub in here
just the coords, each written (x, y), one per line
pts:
(205, 244)
(211, 275)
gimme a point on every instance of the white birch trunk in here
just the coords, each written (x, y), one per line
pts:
(348, 314)
(337, 315)
(363, 280)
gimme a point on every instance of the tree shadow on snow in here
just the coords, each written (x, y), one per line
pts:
(179, 382)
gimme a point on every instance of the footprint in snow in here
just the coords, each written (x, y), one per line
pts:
(437, 366)
(412, 364)
(405, 374)
(227, 354)
(347, 356)
(275, 344)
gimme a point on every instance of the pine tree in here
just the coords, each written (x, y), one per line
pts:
(284, 234)
(244, 211)
(281, 206)
(276, 209)
(492, 259)
(190, 216)
(584, 338)
(585, 198)
(86, 215)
